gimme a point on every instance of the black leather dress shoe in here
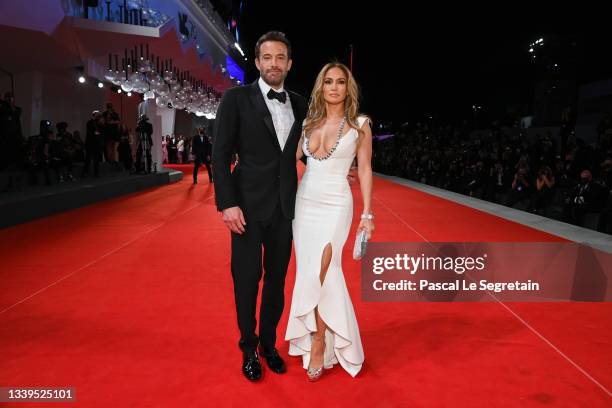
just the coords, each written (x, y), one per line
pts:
(251, 367)
(274, 360)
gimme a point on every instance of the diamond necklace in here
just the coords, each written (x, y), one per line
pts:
(328, 155)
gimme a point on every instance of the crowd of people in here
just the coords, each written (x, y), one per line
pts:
(55, 149)
(570, 180)
(559, 177)
(50, 155)
(176, 149)
(107, 140)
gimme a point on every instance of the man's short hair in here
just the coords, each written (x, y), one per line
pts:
(273, 36)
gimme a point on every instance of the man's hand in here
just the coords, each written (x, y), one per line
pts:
(234, 219)
(352, 175)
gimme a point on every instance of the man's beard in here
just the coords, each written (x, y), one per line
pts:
(274, 81)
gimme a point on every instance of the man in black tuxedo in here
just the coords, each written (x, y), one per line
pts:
(202, 149)
(262, 122)
(94, 143)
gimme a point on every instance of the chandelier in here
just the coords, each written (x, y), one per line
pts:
(158, 80)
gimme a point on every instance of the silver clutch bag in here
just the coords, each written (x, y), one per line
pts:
(361, 243)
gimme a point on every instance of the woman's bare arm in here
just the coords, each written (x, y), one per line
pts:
(364, 169)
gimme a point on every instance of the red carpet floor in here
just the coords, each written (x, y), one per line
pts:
(130, 301)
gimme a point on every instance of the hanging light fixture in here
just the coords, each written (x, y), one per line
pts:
(158, 80)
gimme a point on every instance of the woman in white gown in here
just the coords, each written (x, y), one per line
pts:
(322, 325)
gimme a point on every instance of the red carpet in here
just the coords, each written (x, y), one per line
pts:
(130, 301)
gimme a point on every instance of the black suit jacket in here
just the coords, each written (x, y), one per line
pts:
(201, 147)
(264, 171)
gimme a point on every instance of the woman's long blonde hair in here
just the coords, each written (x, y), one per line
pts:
(316, 107)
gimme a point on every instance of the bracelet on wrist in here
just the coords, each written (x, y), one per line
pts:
(367, 216)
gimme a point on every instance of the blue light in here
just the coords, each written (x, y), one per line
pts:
(234, 69)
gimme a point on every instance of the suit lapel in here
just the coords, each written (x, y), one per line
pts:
(262, 109)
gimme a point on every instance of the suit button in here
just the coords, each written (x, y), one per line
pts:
(278, 176)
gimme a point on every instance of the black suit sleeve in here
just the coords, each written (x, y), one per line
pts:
(225, 132)
(304, 109)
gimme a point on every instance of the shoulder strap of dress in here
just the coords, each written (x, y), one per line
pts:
(361, 120)
(303, 128)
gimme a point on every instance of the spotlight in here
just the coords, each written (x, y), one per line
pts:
(239, 49)
(129, 94)
(119, 90)
(100, 85)
(80, 71)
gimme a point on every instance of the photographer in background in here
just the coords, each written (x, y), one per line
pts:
(543, 195)
(144, 131)
(111, 133)
(68, 149)
(521, 188)
(11, 138)
(588, 197)
(56, 155)
(94, 143)
(37, 158)
(497, 183)
(125, 149)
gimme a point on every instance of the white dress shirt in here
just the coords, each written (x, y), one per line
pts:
(282, 113)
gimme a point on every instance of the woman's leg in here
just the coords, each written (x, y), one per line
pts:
(318, 339)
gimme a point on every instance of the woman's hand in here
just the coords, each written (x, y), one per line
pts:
(368, 226)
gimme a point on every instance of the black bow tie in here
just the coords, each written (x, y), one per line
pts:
(280, 96)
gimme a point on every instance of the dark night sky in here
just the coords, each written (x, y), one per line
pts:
(413, 61)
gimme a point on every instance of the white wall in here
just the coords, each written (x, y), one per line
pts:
(56, 98)
(64, 99)
(162, 120)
